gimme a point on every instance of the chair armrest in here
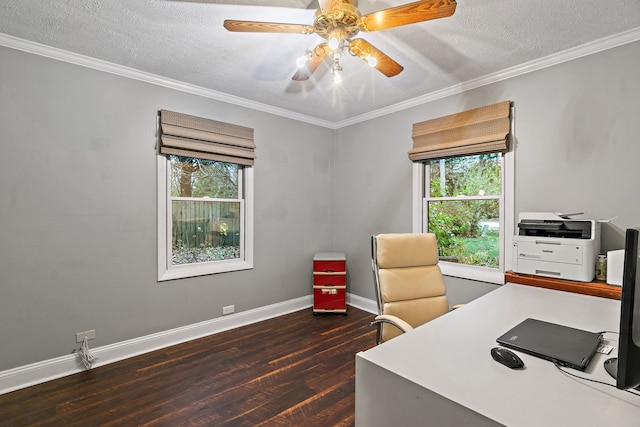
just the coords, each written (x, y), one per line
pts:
(393, 320)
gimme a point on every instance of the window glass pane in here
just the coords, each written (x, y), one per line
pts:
(204, 231)
(468, 231)
(204, 228)
(466, 176)
(203, 178)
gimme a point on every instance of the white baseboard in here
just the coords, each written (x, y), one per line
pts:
(365, 304)
(46, 370)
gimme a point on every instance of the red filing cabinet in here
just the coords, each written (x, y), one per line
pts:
(329, 283)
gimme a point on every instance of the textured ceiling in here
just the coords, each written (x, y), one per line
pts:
(185, 41)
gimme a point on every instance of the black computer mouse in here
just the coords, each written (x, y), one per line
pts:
(506, 357)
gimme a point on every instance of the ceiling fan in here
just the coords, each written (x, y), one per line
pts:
(339, 21)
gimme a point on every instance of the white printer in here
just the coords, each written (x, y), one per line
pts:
(548, 244)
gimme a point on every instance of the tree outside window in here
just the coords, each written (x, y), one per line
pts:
(463, 208)
(206, 210)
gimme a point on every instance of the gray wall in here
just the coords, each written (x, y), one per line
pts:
(78, 192)
(78, 209)
(577, 149)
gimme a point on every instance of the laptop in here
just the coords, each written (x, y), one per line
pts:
(560, 344)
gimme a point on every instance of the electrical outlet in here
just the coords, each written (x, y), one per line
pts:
(89, 334)
(228, 309)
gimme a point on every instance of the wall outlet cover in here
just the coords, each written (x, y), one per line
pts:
(89, 334)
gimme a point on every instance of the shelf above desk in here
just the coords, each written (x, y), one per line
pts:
(598, 289)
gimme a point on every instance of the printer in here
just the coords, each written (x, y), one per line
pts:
(554, 245)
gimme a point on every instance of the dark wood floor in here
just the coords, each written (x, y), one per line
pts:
(294, 370)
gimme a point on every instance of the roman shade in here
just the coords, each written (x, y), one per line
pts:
(479, 131)
(189, 136)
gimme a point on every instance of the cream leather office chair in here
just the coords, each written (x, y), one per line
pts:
(410, 289)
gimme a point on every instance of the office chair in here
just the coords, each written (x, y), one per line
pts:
(409, 285)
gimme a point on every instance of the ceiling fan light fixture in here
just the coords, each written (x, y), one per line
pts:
(336, 69)
(302, 61)
(337, 77)
(334, 42)
(339, 21)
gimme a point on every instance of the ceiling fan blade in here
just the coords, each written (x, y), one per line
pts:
(266, 27)
(317, 55)
(383, 63)
(408, 14)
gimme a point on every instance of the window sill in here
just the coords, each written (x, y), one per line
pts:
(191, 270)
(471, 272)
(597, 288)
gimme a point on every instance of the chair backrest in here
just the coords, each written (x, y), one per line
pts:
(409, 283)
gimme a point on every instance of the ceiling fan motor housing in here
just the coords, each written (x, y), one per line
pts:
(342, 22)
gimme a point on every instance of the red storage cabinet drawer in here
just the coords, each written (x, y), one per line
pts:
(329, 283)
(329, 279)
(328, 266)
(330, 299)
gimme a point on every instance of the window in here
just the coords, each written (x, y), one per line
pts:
(463, 207)
(464, 194)
(474, 225)
(203, 219)
(205, 208)
(206, 211)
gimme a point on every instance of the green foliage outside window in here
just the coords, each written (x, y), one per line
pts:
(203, 178)
(205, 210)
(464, 209)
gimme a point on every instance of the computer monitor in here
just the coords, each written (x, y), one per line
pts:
(626, 367)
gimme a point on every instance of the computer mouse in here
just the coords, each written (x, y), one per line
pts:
(506, 357)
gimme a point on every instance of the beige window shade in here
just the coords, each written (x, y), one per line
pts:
(184, 135)
(478, 131)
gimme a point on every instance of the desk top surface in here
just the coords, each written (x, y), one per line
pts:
(451, 356)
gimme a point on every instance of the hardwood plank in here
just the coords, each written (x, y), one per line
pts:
(297, 369)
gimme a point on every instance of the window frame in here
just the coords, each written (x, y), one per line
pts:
(167, 271)
(465, 271)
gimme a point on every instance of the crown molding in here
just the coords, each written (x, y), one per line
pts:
(586, 49)
(120, 70)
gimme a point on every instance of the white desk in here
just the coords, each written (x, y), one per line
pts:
(442, 373)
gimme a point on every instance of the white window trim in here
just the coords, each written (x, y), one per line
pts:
(166, 271)
(472, 272)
